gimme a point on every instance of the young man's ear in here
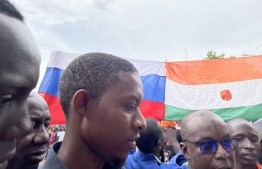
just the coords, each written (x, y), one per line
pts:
(184, 150)
(80, 101)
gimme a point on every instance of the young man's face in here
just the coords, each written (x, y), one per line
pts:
(19, 67)
(116, 120)
(31, 148)
(248, 143)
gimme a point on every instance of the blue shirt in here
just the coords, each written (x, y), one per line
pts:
(140, 160)
(179, 159)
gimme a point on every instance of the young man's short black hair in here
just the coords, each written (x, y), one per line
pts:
(94, 72)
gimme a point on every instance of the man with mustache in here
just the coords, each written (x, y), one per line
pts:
(31, 148)
(248, 143)
(19, 67)
(100, 95)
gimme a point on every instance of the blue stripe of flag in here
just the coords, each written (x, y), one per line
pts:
(50, 81)
(154, 87)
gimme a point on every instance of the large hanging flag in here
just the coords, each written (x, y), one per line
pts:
(229, 87)
(49, 85)
(152, 74)
(153, 78)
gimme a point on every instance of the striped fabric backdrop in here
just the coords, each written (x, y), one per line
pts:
(229, 87)
(49, 85)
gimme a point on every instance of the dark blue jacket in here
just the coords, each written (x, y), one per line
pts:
(140, 160)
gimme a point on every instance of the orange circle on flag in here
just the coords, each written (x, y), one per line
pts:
(226, 95)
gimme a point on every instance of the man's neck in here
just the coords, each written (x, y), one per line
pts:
(76, 154)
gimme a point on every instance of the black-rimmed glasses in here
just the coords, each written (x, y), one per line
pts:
(210, 146)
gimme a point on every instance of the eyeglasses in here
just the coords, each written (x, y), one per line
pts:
(210, 146)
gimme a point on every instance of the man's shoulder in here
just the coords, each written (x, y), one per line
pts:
(52, 161)
(148, 161)
(179, 159)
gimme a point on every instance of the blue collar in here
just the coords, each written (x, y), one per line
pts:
(146, 157)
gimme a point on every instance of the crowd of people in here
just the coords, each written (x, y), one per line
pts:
(100, 95)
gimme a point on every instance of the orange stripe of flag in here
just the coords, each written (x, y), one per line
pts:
(215, 71)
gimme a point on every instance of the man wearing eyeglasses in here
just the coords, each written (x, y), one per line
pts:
(207, 142)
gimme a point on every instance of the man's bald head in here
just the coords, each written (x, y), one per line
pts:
(194, 122)
(233, 124)
(202, 130)
(236, 120)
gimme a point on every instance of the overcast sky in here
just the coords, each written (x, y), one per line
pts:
(159, 30)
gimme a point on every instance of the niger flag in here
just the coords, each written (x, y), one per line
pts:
(229, 87)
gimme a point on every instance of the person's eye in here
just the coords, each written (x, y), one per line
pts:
(254, 140)
(47, 124)
(33, 124)
(130, 108)
(5, 100)
(238, 138)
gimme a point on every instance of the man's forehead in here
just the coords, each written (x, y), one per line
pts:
(36, 102)
(242, 126)
(19, 55)
(16, 41)
(38, 112)
(202, 122)
(207, 128)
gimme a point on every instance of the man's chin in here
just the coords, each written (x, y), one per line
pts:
(114, 164)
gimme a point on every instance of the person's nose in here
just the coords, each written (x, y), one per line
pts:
(139, 121)
(221, 153)
(41, 137)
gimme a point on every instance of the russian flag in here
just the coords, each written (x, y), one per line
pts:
(152, 75)
(153, 78)
(49, 85)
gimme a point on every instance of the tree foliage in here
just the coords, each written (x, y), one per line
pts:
(213, 55)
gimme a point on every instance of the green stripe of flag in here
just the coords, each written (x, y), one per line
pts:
(250, 113)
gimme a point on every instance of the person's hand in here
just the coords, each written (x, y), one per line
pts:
(170, 133)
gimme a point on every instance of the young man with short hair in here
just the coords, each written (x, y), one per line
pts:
(100, 95)
(248, 143)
